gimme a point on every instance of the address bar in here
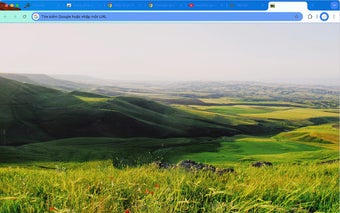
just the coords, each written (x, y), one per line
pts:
(164, 16)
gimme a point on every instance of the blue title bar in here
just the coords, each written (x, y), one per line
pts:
(159, 5)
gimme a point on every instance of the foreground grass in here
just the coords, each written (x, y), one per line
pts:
(98, 187)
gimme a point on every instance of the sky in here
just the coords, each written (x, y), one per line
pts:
(175, 52)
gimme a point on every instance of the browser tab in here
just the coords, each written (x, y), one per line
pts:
(287, 6)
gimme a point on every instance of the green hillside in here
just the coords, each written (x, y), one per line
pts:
(24, 110)
(30, 113)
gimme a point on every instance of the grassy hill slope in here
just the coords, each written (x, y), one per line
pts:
(30, 113)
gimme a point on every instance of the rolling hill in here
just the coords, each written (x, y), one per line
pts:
(31, 113)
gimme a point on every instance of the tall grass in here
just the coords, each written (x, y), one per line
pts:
(98, 187)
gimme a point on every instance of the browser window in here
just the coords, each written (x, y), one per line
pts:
(169, 106)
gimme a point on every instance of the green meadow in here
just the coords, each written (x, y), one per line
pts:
(72, 151)
(98, 187)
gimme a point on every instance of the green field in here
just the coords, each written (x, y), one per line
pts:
(240, 150)
(237, 110)
(215, 151)
(98, 187)
(326, 135)
(78, 151)
(295, 114)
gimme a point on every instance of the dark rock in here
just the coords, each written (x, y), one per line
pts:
(224, 171)
(261, 164)
(190, 165)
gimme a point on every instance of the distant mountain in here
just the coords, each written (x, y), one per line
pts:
(191, 92)
(31, 113)
(47, 81)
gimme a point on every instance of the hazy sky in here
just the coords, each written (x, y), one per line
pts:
(173, 51)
